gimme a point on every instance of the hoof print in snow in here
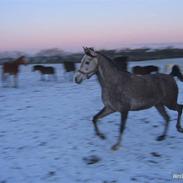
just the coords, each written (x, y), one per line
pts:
(28, 106)
(172, 137)
(152, 161)
(145, 120)
(3, 181)
(43, 143)
(113, 181)
(155, 126)
(51, 173)
(134, 179)
(155, 154)
(91, 159)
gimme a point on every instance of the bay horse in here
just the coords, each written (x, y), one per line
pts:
(123, 92)
(12, 68)
(44, 71)
(142, 70)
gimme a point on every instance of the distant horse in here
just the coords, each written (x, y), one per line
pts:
(176, 72)
(142, 70)
(12, 68)
(44, 71)
(123, 92)
(121, 63)
(69, 68)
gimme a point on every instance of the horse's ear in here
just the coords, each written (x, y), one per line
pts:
(92, 52)
(85, 49)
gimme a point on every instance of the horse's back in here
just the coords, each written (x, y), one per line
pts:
(44, 69)
(50, 70)
(164, 87)
(168, 86)
(149, 90)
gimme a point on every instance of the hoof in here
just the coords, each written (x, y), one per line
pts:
(102, 136)
(180, 129)
(161, 137)
(115, 147)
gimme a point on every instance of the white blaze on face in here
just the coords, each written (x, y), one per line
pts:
(88, 66)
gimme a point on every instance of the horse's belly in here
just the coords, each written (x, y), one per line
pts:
(140, 104)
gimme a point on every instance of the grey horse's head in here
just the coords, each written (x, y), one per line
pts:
(89, 65)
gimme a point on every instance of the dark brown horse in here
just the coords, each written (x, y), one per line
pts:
(44, 71)
(143, 70)
(121, 63)
(12, 68)
(69, 66)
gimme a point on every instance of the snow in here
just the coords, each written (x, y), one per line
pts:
(46, 133)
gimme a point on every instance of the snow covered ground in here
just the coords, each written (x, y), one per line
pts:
(46, 132)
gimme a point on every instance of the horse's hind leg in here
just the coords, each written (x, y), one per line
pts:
(124, 116)
(178, 108)
(15, 81)
(3, 78)
(42, 77)
(55, 77)
(104, 112)
(162, 111)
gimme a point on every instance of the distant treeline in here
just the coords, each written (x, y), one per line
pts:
(146, 53)
(139, 54)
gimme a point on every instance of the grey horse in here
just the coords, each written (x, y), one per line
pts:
(123, 92)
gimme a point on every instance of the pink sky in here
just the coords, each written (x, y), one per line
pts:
(38, 24)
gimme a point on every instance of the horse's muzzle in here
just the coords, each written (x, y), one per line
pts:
(78, 81)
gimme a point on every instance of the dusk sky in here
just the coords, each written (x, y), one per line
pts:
(71, 24)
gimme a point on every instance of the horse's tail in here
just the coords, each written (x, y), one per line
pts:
(176, 72)
(157, 69)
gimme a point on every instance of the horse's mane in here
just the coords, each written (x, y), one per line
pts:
(107, 58)
(19, 58)
(111, 62)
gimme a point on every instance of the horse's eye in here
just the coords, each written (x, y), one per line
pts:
(87, 63)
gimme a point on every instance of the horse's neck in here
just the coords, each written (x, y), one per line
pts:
(106, 71)
(17, 62)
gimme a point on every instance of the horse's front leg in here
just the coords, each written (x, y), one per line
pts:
(4, 79)
(104, 112)
(54, 76)
(42, 77)
(124, 116)
(15, 81)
